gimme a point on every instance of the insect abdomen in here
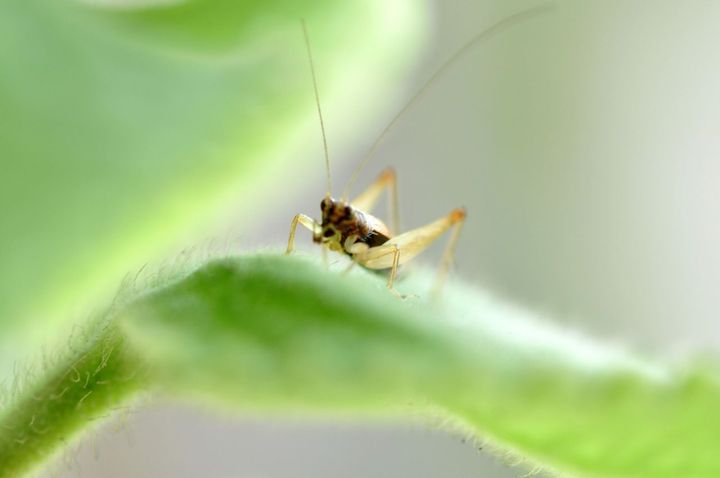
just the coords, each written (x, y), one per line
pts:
(375, 239)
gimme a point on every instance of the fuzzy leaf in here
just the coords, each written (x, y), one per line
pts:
(284, 335)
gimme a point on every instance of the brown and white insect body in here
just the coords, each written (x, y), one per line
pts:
(348, 227)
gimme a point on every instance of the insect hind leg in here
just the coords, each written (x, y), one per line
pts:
(392, 254)
(458, 219)
(403, 248)
(367, 200)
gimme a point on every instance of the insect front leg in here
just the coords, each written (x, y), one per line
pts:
(307, 222)
(367, 200)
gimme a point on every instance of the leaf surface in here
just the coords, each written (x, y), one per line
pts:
(283, 335)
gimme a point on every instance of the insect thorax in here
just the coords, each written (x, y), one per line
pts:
(340, 221)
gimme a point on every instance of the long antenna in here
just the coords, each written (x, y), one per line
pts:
(317, 102)
(489, 32)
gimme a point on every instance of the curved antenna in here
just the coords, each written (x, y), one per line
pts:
(317, 102)
(489, 32)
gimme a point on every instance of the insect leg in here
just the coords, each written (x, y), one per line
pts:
(352, 247)
(393, 269)
(448, 256)
(367, 199)
(391, 255)
(324, 255)
(306, 221)
(412, 243)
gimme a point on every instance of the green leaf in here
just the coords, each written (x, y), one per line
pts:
(92, 377)
(282, 334)
(126, 130)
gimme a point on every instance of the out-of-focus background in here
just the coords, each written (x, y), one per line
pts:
(584, 144)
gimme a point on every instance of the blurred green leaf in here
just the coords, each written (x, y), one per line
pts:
(123, 130)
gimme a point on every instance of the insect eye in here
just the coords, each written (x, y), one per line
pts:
(347, 210)
(323, 204)
(328, 233)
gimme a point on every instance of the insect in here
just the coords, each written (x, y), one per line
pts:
(348, 227)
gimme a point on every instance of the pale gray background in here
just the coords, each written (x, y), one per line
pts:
(585, 146)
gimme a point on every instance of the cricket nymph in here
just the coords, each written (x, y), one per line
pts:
(347, 225)
(344, 226)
